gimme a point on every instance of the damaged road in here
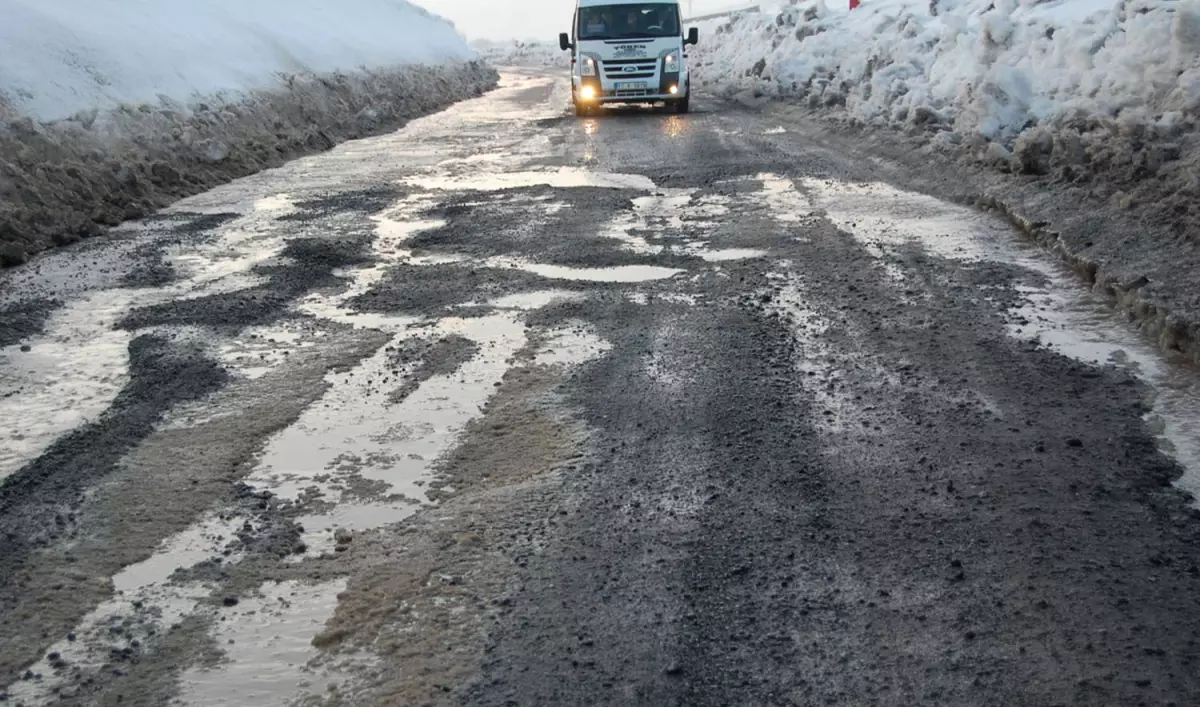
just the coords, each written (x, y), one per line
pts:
(509, 408)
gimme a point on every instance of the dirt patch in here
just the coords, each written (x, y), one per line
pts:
(71, 179)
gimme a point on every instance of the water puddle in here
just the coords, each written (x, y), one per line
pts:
(571, 344)
(727, 254)
(145, 606)
(259, 350)
(241, 244)
(671, 213)
(391, 232)
(1084, 326)
(115, 629)
(326, 533)
(69, 376)
(562, 178)
(659, 212)
(785, 202)
(708, 206)
(349, 445)
(881, 217)
(357, 459)
(355, 434)
(618, 274)
(666, 201)
(72, 373)
(267, 641)
(527, 301)
(201, 542)
(620, 229)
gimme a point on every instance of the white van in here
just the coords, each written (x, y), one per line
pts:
(628, 51)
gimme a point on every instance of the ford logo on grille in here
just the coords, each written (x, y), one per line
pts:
(631, 69)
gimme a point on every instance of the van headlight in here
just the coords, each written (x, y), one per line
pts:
(587, 67)
(671, 64)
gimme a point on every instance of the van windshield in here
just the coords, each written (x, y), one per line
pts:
(651, 19)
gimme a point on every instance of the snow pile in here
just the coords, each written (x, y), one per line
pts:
(990, 67)
(110, 109)
(1098, 92)
(521, 53)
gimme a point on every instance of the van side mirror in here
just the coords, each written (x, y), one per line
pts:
(693, 36)
(564, 41)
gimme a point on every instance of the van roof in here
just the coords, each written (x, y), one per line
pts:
(590, 3)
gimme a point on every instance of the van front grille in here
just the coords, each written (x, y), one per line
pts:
(618, 69)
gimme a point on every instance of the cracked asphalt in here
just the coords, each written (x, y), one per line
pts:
(513, 408)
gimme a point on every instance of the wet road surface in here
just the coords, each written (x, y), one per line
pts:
(511, 408)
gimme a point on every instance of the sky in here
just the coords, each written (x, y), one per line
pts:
(528, 19)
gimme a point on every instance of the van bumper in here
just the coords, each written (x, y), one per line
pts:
(606, 91)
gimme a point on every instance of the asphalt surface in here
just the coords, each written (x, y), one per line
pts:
(513, 408)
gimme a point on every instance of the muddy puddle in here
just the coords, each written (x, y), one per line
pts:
(267, 640)
(356, 443)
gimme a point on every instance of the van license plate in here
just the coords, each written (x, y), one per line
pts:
(632, 85)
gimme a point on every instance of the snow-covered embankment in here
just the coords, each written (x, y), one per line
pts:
(1069, 87)
(111, 109)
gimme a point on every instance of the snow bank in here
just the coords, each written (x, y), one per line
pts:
(1099, 92)
(110, 109)
(995, 67)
